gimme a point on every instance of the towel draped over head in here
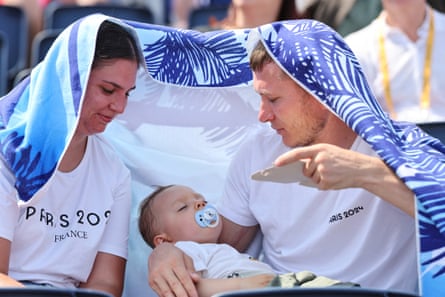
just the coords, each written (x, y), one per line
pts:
(38, 118)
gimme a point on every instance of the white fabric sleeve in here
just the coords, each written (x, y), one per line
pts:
(9, 211)
(115, 240)
(196, 252)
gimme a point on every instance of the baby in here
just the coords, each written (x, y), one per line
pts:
(179, 215)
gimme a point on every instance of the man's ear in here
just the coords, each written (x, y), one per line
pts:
(160, 238)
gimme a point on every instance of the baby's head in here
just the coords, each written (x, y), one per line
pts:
(177, 213)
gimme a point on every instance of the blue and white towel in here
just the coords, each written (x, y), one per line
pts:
(39, 116)
(206, 65)
(194, 106)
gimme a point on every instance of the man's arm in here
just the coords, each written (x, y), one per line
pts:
(334, 168)
(171, 272)
(240, 237)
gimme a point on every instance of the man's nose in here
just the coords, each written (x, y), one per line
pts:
(264, 113)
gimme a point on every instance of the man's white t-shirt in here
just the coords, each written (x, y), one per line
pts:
(219, 260)
(349, 235)
(57, 234)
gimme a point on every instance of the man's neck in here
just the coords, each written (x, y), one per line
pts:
(337, 133)
(406, 17)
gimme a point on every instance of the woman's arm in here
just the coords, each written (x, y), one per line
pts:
(5, 250)
(107, 274)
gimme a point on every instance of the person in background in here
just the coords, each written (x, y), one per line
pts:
(181, 216)
(401, 53)
(253, 13)
(344, 16)
(321, 113)
(66, 195)
(180, 10)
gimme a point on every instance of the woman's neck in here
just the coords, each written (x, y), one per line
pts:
(74, 154)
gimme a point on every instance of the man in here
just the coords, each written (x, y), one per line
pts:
(360, 226)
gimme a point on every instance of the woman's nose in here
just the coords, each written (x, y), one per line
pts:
(200, 204)
(119, 104)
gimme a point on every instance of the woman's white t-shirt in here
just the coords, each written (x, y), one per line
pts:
(57, 234)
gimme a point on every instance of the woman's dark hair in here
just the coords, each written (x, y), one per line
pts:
(115, 42)
(288, 11)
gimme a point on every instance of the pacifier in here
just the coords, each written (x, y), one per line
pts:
(207, 217)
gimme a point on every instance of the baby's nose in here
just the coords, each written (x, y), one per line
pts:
(200, 204)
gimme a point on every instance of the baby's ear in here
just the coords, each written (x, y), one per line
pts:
(160, 238)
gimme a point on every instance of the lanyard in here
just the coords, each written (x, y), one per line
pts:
(425, 99)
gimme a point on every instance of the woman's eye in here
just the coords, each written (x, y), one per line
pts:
(108, 91)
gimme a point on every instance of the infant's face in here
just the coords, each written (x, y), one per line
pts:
(176, 208)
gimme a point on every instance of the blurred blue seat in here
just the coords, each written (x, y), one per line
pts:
(59, 16)
(41, 44)
(49, 292)
(39, 47)
(14, 25)
(435, 129)
(315, 292)
(3, 64)
(201, 16)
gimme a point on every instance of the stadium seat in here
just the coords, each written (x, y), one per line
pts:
(49, 292)
(315, 292)
(58, 16)
(14, 25)
(3, 64)
(41, 44)
(435, 129)
(201, 17)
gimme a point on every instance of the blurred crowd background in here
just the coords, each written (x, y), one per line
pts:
(19, 45)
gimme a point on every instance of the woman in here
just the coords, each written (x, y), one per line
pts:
(65, 218)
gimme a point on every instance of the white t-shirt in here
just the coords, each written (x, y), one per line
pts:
(216, 260)
(57, 234)
(350, 235)
(406, 60)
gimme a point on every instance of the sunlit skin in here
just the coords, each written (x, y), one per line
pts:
(106, 95)
(175, 209)
(407, 15)
(291, 111)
